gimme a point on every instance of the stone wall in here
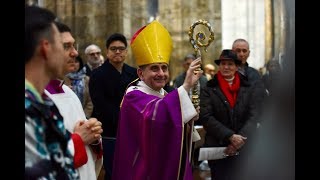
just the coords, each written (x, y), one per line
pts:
(92, 21)
(177, 16)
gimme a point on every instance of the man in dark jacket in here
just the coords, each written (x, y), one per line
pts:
(107, 86)
(93, 53)
(178, 81)
(272, 75)
(241, 47)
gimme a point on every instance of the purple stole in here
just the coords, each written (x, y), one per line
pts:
(150, 139)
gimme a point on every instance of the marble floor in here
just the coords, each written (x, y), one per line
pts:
(197, 174)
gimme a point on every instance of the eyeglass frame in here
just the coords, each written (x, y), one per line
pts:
(67, 46)
(94, 53)
(115, 48)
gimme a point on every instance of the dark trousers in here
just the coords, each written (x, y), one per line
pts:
(195, 154)
(224, 169)
(108, 152)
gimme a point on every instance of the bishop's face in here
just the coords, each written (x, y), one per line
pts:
(154, 75)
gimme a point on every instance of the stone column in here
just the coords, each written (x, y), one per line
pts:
(92, 21)
(269, 30)
(246, 21)
(135, 16)
(177, 16)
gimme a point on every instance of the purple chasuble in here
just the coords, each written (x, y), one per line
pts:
(150, 139)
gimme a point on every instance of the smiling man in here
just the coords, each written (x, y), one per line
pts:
(154, 136)
(86, 144)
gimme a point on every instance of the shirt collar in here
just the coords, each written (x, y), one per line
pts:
(55, 86)
(33, 90)
(143, 84)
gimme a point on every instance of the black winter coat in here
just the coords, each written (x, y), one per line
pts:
(220, 120)
(107, 87)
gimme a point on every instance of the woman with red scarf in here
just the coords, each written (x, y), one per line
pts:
(228, 114)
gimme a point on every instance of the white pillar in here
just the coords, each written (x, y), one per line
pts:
(245, 19)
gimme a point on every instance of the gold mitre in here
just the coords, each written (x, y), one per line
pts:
(151, 44)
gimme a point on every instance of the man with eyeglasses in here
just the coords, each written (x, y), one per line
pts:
(107, 86)
(93, 53)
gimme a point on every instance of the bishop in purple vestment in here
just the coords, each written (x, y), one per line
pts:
(154, 136)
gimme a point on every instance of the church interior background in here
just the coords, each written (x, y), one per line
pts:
(261, 22)
(268, 26)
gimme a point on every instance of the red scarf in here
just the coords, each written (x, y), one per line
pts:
(231, 92)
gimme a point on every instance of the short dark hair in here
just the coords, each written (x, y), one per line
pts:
(37, 24)
(190, 56)
(62, 27)
(116, 37)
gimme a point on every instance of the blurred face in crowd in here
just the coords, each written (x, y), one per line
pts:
(102, 59)
(116, 52)
(228, 68)
(187, 63)
(154, 75)
(209, 69)
(53, 52)
(93, 57)
(242, 50)
(274, 67)
(76, 66)
(70, 53)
